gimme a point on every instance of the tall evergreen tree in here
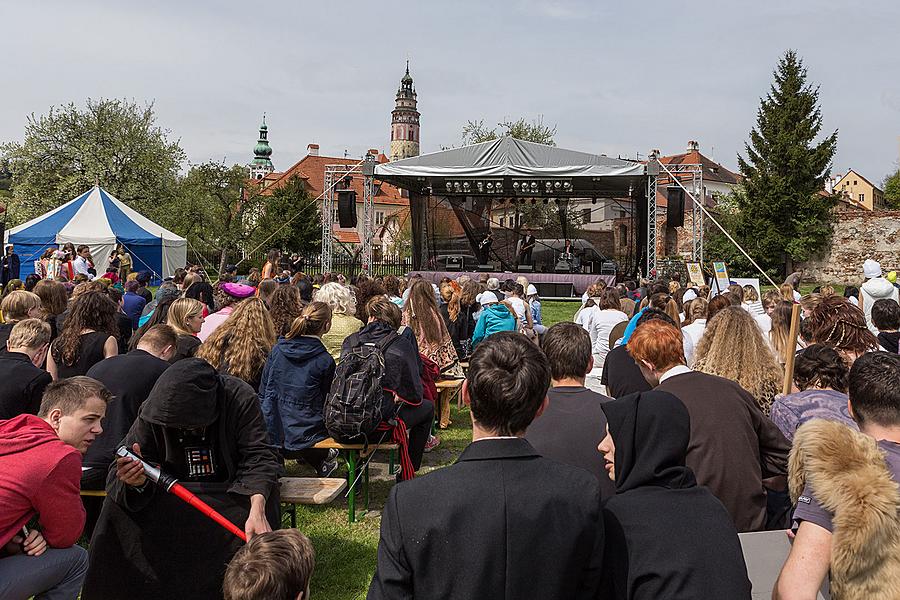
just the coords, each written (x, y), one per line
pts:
(783, 217)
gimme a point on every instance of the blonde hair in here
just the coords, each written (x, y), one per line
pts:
(29, 333)
(826, 290)
(733, 347)
(674, 286)
(314, 320)
(780, 333)
(180, 311)
(241, 344)
(338, 297)
(18, 304)
(787, 292)
(750, 294)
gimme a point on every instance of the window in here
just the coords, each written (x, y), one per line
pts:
(862, 198)
(586, 215)
(411, 134)
(855, 182)
(502, 221)
(623, 234)
(379, 217)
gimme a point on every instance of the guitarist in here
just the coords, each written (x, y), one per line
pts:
(525, 248)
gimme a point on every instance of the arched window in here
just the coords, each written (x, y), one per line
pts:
(411, 135)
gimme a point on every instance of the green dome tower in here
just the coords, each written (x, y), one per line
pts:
(262, 164)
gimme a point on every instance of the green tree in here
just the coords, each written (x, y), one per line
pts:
(475, 132)
(784, 217)
(891, 187)
(290, 219)
(216, 208)
(114, 142)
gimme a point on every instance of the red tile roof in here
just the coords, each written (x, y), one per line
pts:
(312, 170)
(712, 171)
(346, 236)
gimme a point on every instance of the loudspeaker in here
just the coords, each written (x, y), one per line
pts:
(525, 268)
(485, 268)
(675, 208)
(455, 263)
(347, 209)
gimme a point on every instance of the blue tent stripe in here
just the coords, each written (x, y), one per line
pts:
(121, 225)
(47, 229)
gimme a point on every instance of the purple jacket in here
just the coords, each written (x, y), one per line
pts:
(791, 411)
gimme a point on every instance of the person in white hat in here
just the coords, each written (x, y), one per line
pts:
(875, 288)
(534, 302)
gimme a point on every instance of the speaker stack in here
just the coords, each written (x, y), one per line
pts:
(346, 209)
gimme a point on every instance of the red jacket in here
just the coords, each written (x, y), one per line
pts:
(39, 473)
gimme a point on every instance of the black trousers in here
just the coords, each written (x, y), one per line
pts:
(418, 421)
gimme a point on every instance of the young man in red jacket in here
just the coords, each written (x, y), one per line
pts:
(40, 472)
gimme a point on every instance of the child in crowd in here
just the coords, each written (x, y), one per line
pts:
(272, 566)
(886, 317)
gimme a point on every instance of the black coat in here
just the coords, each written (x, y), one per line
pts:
(23, 385)
(9, 268)
(152, 545)
(129, 377)
(502, 523)
(666, 537)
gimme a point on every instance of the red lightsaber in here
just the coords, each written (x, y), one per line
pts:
(171, 485)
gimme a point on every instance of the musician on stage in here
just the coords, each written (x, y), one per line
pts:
(484, 248)
(526, 246)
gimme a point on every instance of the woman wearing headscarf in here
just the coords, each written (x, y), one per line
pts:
(666, 537)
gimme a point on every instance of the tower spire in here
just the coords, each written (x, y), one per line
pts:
(405, 120)
(262, 164)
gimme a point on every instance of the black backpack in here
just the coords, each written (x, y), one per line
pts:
(355, 404)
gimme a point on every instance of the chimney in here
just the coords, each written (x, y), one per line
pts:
(312, 150)
(373, 151)
(693, 146)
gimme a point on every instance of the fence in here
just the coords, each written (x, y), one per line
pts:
(209, 259)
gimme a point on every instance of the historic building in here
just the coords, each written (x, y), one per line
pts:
(405, 121)
(262, 164)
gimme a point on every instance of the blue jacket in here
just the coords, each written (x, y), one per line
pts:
(494, 318)
(133, 305)
(295, 380)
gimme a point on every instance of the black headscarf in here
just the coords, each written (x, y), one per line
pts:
(651, 432)
(666, 537)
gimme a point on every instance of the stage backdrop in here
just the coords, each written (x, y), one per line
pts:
(581, 282)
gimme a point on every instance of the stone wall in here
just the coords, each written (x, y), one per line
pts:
(858, 235)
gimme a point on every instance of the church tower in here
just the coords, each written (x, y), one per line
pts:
(262, 164)
(405, 121)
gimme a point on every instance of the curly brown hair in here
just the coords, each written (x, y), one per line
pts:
(241, 344)
(285, 305)
(366, 289)
(837, 323)
(92, 311)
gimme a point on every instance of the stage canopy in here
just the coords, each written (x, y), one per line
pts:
(98, 220)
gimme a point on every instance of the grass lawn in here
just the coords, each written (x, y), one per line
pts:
(345, 553)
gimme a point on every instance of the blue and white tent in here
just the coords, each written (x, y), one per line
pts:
(98, 220)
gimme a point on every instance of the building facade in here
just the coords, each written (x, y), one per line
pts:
(857, 191)
(405, 121)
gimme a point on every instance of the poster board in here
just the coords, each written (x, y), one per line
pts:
(695, 273)
(720, 277)
(741, 281)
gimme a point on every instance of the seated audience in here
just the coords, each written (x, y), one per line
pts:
(733, 347)
(886, 318)
(734, 446)
(185, 317)
(87, 336)
(295, 380)
(285, 306)
(227, 297)
(837, 323)
(496, 316)
(23, 378)
(40, 465)
(159, 316)
(821, 376)
(133, 304)
(53, 302)
(697, 325)
(277, 565)
(666, 536)
(343, 322)
(402, 373)
(195, 287)
(459, 317)
(856, 540)
(621, 374)
(506, 502)
(207, 431)
(421, 314)
(874, 288)
(241, 344)
(16, 306)
(606, 315)
(573, 423)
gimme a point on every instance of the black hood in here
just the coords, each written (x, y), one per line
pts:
(186, 396)
(651, 431)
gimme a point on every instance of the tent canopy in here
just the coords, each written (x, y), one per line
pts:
(508, 157)
(100, 221)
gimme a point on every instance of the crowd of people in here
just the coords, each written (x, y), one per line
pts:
(632, 444)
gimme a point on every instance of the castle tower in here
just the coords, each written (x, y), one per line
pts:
(262, 164)
(405, 121)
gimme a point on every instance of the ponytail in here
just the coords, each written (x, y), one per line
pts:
(314, 320)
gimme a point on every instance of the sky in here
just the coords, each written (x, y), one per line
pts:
(614, 78)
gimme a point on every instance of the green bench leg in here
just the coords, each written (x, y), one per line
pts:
(391, 462)
(351, 484)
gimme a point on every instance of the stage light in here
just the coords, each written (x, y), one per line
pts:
(449, 186)
(516, 185)
(466, 186)
(557, 185)
(534, 185)
(480, 186)
(548, 185)
(593, 201)
(490, 186)
(499, 187)
(567, 185)
(456, 186)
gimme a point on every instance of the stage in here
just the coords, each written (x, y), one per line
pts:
(578, 281)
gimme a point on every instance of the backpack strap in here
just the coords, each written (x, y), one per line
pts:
(387, 341)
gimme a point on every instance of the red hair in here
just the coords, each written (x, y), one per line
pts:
(657, 343)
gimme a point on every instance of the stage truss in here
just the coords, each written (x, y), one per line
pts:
(683, 174)
(333, 176)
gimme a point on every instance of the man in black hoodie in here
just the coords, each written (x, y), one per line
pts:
(886, 317)
(23, 379)
(207, 431)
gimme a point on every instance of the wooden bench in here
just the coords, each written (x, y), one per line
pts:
(352, 453)
(293, 491)
(447, 388)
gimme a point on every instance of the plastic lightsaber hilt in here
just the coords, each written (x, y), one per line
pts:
(153, 473)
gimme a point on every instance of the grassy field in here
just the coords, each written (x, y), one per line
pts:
(345, 553)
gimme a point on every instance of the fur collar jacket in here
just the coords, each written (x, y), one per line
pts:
(848, 475)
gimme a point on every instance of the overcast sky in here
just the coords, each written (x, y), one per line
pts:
(615, 78)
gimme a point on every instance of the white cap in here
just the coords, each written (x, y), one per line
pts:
(532, 291)
(871, 268)
(488, 297)
(689, 295)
